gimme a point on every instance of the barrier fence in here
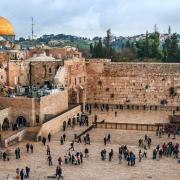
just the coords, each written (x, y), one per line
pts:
(128, 126)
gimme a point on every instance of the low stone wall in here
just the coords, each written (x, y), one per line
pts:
(55, 125)
(18, 136)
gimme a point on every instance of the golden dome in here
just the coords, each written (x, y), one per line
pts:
(6, 27)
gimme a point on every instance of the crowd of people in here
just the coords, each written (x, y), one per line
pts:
(81, 120)
(146, 142)
(123, 154)
(167, 150)
(23, 173)
(73, 157)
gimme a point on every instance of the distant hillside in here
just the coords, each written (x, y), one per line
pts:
(59, 40)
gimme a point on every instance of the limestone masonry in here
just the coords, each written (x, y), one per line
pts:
(133, 83)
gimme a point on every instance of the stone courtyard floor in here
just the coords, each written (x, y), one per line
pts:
(134, 116)
(94, 168)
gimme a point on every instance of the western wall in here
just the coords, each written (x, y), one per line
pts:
(133, 83)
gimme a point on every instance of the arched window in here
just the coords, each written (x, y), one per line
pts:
(50, 71)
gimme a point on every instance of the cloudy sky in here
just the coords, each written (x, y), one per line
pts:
(91, 17)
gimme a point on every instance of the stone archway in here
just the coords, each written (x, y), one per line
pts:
(6, 124)
(21, 121)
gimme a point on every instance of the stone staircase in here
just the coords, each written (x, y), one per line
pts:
(69, 133)
(31, 133)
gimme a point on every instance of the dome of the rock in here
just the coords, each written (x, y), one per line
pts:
(6, 30)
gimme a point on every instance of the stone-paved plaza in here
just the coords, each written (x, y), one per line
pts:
(93, 168)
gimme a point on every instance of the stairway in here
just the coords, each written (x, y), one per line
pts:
(31, 133)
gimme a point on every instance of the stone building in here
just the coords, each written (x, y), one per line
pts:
(57, 53)
(32, 111)
(37, 88)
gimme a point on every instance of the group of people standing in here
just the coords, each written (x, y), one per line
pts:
(29, 147)
(123, 153)
(167, 150)
(81, 119)
(107, 139)
(75, 159)
(23, 173)
(145, 143)
(128, 155)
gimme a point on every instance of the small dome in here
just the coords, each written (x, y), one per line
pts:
(6, 27)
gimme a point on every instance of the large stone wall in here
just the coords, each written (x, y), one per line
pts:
(132, 83)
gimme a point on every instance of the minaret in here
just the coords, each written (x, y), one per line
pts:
(32, 28)
(169, 30)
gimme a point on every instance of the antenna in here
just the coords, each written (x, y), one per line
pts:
(32, 28)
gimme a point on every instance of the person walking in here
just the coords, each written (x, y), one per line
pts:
(109, 138)
(32, 148)
(27, 147)
(81, 157)
(72, 146)
(86, 152)
(60, 161)
(110, 155)
(48, 150)
(59, 173)
(49, 160)
(140, 156)
(64, 137)
(27, 172)
(44, 141)
(62, 140)
(105, 141)
(120, 158)
(19, 153)
(4, 156)
(22, 174)
(49, 137)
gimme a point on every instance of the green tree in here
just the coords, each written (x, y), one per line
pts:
(170, 48)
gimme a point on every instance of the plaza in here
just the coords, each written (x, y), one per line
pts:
(93, 167)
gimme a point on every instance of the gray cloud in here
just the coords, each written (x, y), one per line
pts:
(91, 17)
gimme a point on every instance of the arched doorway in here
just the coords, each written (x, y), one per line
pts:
(73, 97)
(6, 124)
(21, 121)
